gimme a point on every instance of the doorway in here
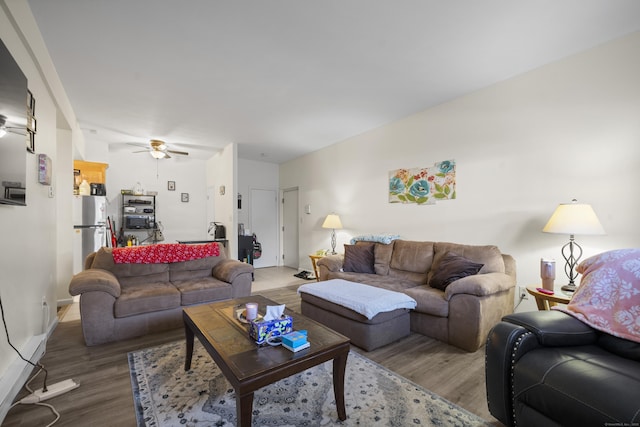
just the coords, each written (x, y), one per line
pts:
(264, 224)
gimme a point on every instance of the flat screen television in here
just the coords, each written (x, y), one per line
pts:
(13, 126)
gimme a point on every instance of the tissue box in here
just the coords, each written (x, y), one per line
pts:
(259, 331)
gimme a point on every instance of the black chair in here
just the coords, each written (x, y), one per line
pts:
(546, 368)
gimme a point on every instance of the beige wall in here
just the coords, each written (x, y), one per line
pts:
(569, 129)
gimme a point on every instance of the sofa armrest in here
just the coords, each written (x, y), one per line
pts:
(480, 285)
(554, 328)
(228, 270)
(95, 280)
(505, 345)
(328, 264)
(516, 335)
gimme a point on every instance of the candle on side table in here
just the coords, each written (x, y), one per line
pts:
(252, 310)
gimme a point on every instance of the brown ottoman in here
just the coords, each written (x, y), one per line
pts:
(365, 329)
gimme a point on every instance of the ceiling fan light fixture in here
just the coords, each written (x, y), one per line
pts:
(158, 154)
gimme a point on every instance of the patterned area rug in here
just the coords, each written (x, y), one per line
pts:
(166, 395)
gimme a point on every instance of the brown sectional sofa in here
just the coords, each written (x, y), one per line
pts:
(120, 301)
(462, 314)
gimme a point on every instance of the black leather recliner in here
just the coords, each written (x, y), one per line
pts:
(546, 368)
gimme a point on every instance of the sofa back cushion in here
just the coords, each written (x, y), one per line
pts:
(194, 269)
(411, 260)
(488, 255)
(382, 257)
(130, 274)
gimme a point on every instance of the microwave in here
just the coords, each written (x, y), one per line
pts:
(137, 221)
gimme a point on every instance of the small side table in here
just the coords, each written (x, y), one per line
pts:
(544, 301)
(314, 259)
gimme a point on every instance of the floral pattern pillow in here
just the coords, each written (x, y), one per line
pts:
(608, 298)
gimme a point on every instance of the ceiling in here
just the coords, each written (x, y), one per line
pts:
(282, 78)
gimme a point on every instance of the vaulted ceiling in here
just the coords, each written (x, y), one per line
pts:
(282, 78)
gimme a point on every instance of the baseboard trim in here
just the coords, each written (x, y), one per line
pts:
(63, 302)
(19, 371)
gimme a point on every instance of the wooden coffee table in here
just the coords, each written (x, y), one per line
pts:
(249, 367)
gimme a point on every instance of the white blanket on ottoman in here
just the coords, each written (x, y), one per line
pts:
(364, 299)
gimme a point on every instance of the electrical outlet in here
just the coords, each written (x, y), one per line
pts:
(522, 292)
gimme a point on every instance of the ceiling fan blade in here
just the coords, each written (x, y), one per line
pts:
(137, 144)
(181, 153)
(141, 151)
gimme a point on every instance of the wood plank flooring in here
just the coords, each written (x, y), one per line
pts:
(104, 397)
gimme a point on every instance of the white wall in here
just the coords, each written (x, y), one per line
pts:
(220, 171)
(30, 260)
(569, 129)
(181, 221)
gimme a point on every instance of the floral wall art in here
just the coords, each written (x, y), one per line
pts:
(423, 186)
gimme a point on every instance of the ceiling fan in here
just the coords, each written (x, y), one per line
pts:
(159, 150)
(4, 129)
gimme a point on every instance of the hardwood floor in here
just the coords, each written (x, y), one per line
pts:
(104, 397)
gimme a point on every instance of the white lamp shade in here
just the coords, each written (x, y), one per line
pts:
(332, 221)
(574, 218)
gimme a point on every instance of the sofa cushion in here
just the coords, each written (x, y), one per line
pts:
(203, 289)
(382, 254)
(411, 261)
(142, 298)
(193, 269)
(576, 386)
(130, 274)
(429, 300)
(359, 258)
(396, 284)
(620, 346)
(488, 255)
(451, 268)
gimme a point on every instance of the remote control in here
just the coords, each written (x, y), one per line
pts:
(544, 291)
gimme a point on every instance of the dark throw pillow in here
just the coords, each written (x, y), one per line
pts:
(359, 258)
(451, 268)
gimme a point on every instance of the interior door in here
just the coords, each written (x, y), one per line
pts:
(264, 224)
(290, 228)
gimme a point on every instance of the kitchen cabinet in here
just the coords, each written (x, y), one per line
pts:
(92, 172)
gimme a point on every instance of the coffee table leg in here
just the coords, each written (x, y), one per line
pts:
(244, 407)
(339, 367)
(188, 333)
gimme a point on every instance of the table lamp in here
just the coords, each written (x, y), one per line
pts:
(332, 221)
(573, 218)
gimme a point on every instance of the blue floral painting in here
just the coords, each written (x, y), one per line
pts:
(423, 186)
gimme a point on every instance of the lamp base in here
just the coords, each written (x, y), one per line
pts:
(569, 288)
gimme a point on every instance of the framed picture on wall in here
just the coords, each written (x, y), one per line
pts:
(31, 142)
(185, 197)
(171, 185)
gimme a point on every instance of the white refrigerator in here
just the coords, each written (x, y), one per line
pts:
(89, 227)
